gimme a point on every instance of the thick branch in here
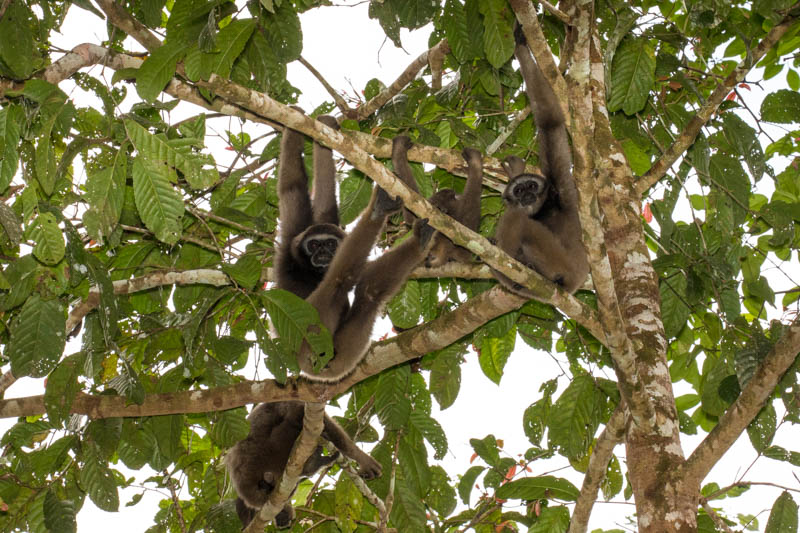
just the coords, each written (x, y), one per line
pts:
(303, 447)
(746, 406)
(602, 451)
(702, 115)
(399, 84)
(410, 344)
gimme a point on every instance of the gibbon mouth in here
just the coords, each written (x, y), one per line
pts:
(321, 260)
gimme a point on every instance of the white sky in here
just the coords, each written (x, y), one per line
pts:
(482, 407)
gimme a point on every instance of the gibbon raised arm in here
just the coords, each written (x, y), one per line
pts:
(540, 225)
(464, 207)
(256, 463)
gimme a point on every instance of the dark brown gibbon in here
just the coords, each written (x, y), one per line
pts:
(319, 262)
(464, 207)
(540, 225)
(256, 463)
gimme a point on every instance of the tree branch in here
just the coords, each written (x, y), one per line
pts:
(399, 84)
(702, 115)
(126, 22)
(411, 344)
(746, 407)
(303, 447)
(602, 451)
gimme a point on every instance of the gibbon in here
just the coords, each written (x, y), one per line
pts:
(256, 463)
(464, 207)
(540, 225)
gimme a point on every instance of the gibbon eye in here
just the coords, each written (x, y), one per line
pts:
(312, 245)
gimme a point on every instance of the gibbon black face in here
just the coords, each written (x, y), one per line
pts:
(317, 261)
(256, 463)
(464, 207)
(540, 225)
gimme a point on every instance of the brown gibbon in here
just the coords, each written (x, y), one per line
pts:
(540, 225)
(256, 463)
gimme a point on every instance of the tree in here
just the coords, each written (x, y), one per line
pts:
(162, 256)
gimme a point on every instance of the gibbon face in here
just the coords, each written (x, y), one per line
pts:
(529, 191)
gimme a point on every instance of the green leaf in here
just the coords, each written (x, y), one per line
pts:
(127, 383)
(408, 512)
(48, 240)
(59, 515)
(674, 311)
(167, 430)
(391, 401)
(552, 520)
(431, 431)
(62, 386)
(98, 481)
(762, 428)
(537, 488)
(158, 69)
(16, 40)
(293, 319)
(11, 118)
(445, 378)
(245, 272)
(782, 107)
(105, 192)
(486, 448)
(284, 33)
(612, 483)
(454, 19)
(230, 427)
(441, 496)
(230, 43)
(467, 481)
(498, 34)
(744, 139)
(632, 75)
(159, 205)
(406, 306)
(574, 417)
(495, 353)
(348, 503)
(413, 460)
(37, 337)
(783, 517)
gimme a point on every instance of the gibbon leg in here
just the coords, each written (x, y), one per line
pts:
(544, 251)
(510, 230)
(381, 279)
(326, 211)
(369, 468)
(400, 147)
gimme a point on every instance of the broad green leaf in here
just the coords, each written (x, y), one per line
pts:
(537, 488)
(498, 31)
(445, 377)
(127, 383)
(167, 430)
(98, 481)
(408, 512)
(413, 460)
(59, 515)
(37, 337)
(17, 45)
(782, 107)
(552, 520)
(783, 517)
(62, 386)
(11, 225)
(431, 430)
(105, 192)
(230, 43)
(159, 205)
(158, 69)
(486, 448)
(406, 306)
(495, 353)
(467, 481)
(441, 496)
(762, 429)
(245, 272)
(574, 417)
(612, 483)
(391, 401)
(632, 76)
(230, 427)
(456, 30)
(284, 33)
(743, 138)
(48, 240)
(348, 504)
(10, 120)
(294, 319)
(674, 311)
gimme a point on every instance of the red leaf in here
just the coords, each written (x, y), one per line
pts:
(745, 86)
(647, 213)
(474, 456)
(731, 96)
